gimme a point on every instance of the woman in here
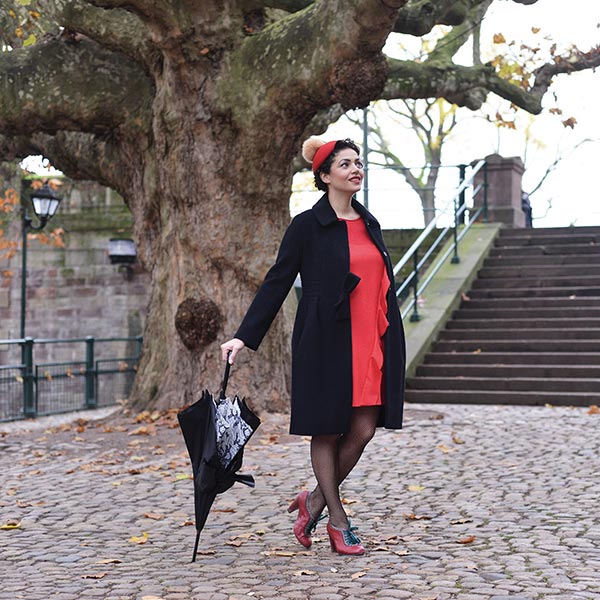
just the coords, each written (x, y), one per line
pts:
(348, 353)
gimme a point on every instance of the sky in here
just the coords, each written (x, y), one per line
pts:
(570, 193)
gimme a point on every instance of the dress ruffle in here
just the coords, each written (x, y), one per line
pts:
(368, 310)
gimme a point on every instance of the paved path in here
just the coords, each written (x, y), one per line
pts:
(466, 503)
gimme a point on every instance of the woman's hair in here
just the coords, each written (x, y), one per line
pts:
(326, 166)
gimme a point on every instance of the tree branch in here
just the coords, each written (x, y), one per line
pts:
(117, 29)
(469, 86)
(420, 17)
(63, 85)
(341, 64)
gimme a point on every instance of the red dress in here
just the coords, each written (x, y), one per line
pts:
(368, 309)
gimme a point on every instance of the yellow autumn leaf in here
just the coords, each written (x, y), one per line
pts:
(594, 410)
(30, 40)
(181, 476)
(416, 488)
(139, 539)
(11, 524)
(444, 448)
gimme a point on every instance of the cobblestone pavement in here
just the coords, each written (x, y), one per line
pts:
(466, 503)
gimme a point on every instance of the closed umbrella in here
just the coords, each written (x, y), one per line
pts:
(215, 433)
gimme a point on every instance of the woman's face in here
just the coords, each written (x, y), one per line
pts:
(346, 172)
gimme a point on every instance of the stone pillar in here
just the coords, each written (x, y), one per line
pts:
(504, 177)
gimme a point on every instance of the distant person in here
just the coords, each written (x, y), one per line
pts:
(526, 207)
(348, 352)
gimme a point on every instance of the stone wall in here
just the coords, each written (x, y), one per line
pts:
(73, 292)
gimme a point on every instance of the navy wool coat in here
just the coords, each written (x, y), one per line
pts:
(316, 246)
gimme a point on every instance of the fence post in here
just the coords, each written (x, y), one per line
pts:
(29, 403)
(455, 259)
(90, 374)
(415, 315)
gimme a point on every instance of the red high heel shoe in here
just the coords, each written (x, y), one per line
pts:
(344, 541)
(305, 523)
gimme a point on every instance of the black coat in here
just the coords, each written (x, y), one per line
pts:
(316, 246)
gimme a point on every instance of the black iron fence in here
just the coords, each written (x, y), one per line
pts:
(94, 377)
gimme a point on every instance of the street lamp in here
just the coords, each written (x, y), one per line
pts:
(45, 202)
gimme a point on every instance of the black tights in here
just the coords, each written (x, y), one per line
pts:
(333, 458)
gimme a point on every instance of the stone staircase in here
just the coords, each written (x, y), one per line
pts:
(528, 331)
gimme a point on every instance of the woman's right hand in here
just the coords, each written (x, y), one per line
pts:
(233, 346)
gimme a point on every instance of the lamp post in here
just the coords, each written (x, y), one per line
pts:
(45, 202)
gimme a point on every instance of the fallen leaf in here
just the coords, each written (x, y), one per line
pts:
(186, 523)
(154, 516)
(460, 521)
(468, 540)
(414, 517)
(358, 575)
(478, 351)
(444, 448)
(180, 476)
(94, 576)
(11, 524)
(594, 410)
(109, 561)
(224, 510)
(347, 501)
(144, 430)
(416, 488)
(303, 572)
(456, 439)
(401, 552)
(139, 539)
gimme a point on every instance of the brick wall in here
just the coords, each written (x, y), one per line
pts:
(74, 291)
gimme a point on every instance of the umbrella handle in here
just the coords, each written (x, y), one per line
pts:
(225, 377)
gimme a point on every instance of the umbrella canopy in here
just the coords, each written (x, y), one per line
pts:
(215, 432)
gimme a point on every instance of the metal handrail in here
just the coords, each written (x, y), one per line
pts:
(461, 189)
(412, 279)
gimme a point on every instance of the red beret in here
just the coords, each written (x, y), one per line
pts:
(321, 154)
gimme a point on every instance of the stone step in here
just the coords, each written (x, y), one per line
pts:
(542, 260)
(535, 292)
(522, 324)
(534, 314)
(517, 345)
(514, 384)
(544, 231)
(555, 371)
(567, 359)
(549, 239)
(548, 250)
(540, 280)
(495, 397)
(565, 302)
(538, 271)
(527, 334)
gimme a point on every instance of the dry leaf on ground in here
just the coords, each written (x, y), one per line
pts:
(467, 540)
(416, 488)
(139, 539)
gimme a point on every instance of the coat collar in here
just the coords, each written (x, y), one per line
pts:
(326, 215)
